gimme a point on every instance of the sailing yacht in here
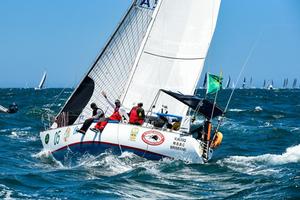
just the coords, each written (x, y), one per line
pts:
(271, 85)
(244, 83)
(42, 82)
(155, 56)
(228, 83)
(295, 83)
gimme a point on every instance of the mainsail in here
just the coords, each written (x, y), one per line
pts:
(158, 44)
(112, 67)
(173, 54)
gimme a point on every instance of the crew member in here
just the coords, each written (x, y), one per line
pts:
(137, 115)
(118, 114)
(98, 114)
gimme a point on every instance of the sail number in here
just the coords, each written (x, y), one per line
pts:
(56, 138)
(151, 4)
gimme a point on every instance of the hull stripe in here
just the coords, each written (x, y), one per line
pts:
(108, 143)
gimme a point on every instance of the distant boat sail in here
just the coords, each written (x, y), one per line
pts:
(228, 83)
(244, 83)
(160, 46)
(295, 83)
(41, 85)
(264, 84)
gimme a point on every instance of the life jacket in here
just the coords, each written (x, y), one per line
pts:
(114, 117)
(134, 117)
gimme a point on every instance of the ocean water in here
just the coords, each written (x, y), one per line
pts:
(258, 159)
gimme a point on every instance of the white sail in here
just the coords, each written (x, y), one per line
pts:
(42, 82)
(173, 55)
(113, 66)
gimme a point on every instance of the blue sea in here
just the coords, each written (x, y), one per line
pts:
(258, 159)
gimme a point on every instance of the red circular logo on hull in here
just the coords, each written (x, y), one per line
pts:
(153, 138)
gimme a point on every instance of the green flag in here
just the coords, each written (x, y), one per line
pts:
(214, 83)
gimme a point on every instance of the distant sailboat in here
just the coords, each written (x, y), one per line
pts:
(244, 83)
(271, 85)
(284, 84)
(13, 108)
(250, 84)
(294, 83)
(264, 84)
(228, 83)
(42, 82)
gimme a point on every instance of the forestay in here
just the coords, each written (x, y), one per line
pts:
(112, 68)
(173, 55)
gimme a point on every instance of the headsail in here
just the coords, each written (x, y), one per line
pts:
(174, 53)
(113, 66)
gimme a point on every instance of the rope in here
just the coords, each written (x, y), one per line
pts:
(238, 78)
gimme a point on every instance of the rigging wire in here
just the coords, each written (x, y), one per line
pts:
(238, 78)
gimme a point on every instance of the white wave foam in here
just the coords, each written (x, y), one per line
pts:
(261, 164)
(6, 193)
(236, 110)
(258, 109)
(46, 157)
(22, 134)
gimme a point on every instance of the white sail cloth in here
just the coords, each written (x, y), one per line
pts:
(174, 53)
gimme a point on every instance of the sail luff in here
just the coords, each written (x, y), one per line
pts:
(141, 50)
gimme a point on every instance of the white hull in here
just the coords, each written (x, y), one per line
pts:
(146, 142)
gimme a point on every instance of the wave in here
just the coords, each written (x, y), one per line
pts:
(261, 164)
(47, 159)
(8, 194)
(236, 110)
(258, 109)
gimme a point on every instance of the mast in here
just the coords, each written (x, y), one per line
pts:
(264, 84)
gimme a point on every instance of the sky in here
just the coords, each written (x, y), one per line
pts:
(65, 37)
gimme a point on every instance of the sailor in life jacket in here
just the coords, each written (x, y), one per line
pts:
(118, 115)
(97, 113)
(137, 115)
